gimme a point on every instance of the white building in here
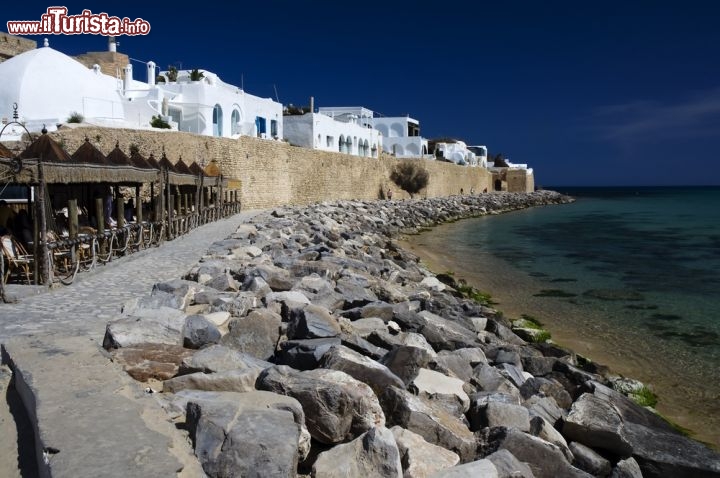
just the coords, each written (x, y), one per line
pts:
(347, 133)
(480, 155)
(401, 134)
(49, 86)
(456, 152)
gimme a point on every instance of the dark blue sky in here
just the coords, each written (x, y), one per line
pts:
(587, 93)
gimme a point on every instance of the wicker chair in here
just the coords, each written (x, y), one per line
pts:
(18, 261)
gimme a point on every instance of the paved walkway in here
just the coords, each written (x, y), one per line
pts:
(95, 298)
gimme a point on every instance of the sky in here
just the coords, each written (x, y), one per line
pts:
(587, 93)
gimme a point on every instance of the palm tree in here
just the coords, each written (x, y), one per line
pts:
(196, 75)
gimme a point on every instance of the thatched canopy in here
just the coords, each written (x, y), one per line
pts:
(153, 162)
(46, 148)
(165, 163)
(117, 157)
(195, 169)
(89, 154)
(182, 168)
(139, 161)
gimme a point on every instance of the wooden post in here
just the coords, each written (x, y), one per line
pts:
(100, 215)
(44, 272)
(178, 211)
(152, 200)
(120, 211)
(73, 226)
(138, 206)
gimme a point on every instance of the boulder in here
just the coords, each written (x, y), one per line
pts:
(542, 429)
(337, 407)
(218, 358)
(406, 361)
(304, 354)
(548, 388)
(354, 293)
(372, 454)
(545, 459)
(444, 334)
(227, 381)
(360, 345)
(249, 434)
(257, 334)
(420, 458)
(159, 326)
(596, 423)
(446, 391)
(199, 332)
(177, 293)
(589, 460)
(498, 413)
(546, 408)
(489, 379)
(431, 421)
(361, 368)
(627, 468)
(151, 361)
(364, 327)
(312, 322)
(508, 466)
(475, 469)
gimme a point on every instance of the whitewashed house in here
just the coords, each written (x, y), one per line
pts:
(401, 136)
(481, 153)
(456, 152)
(49, 86)
(336, 131)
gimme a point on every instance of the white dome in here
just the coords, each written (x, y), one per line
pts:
(48, 86)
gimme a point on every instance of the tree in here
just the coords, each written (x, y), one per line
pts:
(410, 176)
(158, 122)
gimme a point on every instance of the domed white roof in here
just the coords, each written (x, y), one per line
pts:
(49, 86)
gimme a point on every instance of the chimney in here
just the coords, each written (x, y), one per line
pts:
(312, 104)
(151, 73)
(111, 44)
(127, 81)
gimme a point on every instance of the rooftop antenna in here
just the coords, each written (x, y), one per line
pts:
(242, 81)
(276, 94)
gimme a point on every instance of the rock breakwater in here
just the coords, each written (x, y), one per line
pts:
(309, 343)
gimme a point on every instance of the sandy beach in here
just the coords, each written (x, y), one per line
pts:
(683, 399)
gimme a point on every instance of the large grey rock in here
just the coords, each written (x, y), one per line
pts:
(360, 345)
(542, 429)
(459, 362)
(546, 408)
(489, 379)
(548, 388)
(312, 322)
(256, 335)
(304, 354)
(372, 454)
(288, 296)
(508, 466)
(380, 310)
(444, 334)
(406, 361)
(420, 458)
(432, 422)
(364, 327)
(250, 434)
(160, 326)
(227, 381)
(178, 293)
(218, 358)
(627, 468)
(199, 331)
(589, 460)
(660, 453)
(364, 369)
(354, 293)
(475, 469)
(223, 281)
(445, 391)
(545, 459)
(151, 361)
(596, 423)
(337, 407)
(499, 414)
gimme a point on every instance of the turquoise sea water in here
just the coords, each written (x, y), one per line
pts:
(634, 273)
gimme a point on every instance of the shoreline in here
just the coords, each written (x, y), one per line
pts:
(579, 335)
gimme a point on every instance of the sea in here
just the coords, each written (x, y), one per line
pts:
(626, 276)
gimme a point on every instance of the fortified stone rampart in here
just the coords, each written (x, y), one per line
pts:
(274, 173)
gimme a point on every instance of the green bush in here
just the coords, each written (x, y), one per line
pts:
(158, 122)
(644, 397)
(75, 117)
(410, 176)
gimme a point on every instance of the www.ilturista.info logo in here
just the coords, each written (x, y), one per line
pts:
(57, 22)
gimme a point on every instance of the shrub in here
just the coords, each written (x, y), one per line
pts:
(172, 73)
(134, 148)
(158, 122)
(644, 397)
(196, 75)
(75, 117)
(410, 177)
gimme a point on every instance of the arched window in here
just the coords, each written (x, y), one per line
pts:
(217, 121)
(349, 145)
(342, 144)
(235, 125)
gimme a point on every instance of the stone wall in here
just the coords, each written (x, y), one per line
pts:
(273, 173)
(111, 62)
(11, 45)
(518, 181)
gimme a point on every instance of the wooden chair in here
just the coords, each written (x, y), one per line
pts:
(18, 261)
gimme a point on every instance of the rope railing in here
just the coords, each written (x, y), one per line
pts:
(67, 257)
